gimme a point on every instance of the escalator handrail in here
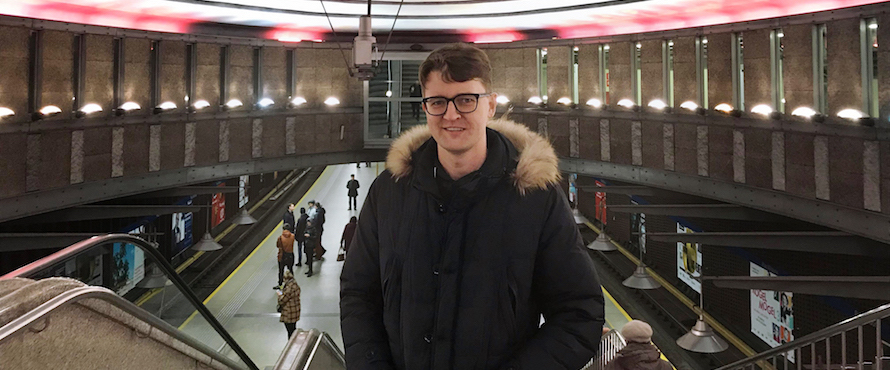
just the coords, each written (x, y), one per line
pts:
(72, 296)
(302, 347)
(147, 248)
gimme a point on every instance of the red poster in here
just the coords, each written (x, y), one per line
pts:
(600, 204)
(218, 208)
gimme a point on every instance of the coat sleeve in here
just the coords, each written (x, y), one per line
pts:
(569, 294)
(361, 294)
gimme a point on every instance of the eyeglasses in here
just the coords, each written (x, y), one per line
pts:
(464, 103)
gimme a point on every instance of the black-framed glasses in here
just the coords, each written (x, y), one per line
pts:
(464, 103)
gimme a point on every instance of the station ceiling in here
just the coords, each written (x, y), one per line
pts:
(471, 20)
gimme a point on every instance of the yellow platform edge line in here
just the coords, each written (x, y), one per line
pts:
(255, 249)
(728, 335)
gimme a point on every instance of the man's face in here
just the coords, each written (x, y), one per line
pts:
(457, 132)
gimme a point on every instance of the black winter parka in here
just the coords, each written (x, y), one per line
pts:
(461, 282)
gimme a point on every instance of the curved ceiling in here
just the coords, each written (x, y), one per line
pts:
(475, 20)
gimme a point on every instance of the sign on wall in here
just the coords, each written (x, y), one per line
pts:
(128, 267)
(689, 261)
(242, 190)
(772, 313)
(182, 230)
(600, 204)
(218, 207)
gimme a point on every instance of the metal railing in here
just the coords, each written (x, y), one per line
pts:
(72, 296)
(610, 344)
(76, 249)
(830, 348)
(311, 349)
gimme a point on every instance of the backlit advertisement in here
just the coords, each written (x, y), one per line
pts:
(689, 261)
(218, 207)
(600, 203)
(772, 313)
(128, 267)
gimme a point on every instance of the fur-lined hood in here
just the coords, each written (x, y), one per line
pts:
(537, 165)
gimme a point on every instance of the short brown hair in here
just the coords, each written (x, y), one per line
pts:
(458, 62)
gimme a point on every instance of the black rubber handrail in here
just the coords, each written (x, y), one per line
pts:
(85, 245)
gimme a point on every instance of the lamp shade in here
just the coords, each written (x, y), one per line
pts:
(701, 338)
(602, 243)
(641, 279)
(207, 244)
(244, 218)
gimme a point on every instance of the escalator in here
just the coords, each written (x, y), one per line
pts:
(70, 310)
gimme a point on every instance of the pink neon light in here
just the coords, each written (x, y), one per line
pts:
(488, 37)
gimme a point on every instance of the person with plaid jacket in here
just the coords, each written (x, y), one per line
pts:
(289, 303)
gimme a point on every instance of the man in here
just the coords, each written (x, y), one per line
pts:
(352, 186)
(312, 210)
(285, 246)
(299, 231)
(465, 241)
(288, 218)
(319, 224)
(639, 353)
(312, 238)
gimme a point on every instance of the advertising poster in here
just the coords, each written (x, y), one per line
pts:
(772, 313)
(128, 268)
(600, 203)
(688, 261)
(218, 207)
(638, 228)
(242, 190)
(182, 230)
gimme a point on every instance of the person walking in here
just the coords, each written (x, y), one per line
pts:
(285, 253)
(415, 92)
(348, 234)
(289, 303)
(288, 218)
(299, 236)
(311, 235)
(353, 186)
(639, 353)
(466, 241)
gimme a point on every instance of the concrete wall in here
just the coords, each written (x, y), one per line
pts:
(514, 73)
(558, 81)
(99, 72)
(137, 72)
(173, 73)
(620, 72)
(797, 67)
(844, 68)
(719, 69)
(589, 73)
(58, 65)
(758, 86)
(652, 80)
(685, 83)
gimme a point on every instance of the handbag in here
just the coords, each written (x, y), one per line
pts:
(341, 255)
(278, 308)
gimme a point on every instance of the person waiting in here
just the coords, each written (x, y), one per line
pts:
(639, 353)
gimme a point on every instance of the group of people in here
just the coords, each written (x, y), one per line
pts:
(304, 233)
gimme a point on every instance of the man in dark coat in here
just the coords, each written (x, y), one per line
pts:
(288, 218)
(465, 241)
(639, 353)
(312, 237)
(299, 231)
(319, 224)
(353, 186)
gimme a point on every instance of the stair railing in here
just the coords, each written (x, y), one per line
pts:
(835, 339)
(78, 248)
(610, 344)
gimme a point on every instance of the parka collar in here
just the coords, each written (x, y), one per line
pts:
(536, 164)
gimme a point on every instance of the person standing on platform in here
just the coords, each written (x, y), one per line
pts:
(352, 186)
(299, 236)
(285, 253)
(348, 234)
(288, 218)
(289, 303)
(466, 240)
(319, 224)
(639, 353)
(312, 237)
(415, 92)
